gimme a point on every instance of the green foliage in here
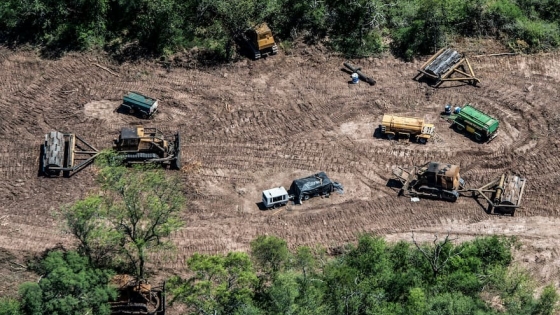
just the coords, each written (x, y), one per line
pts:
(356, 31)
(9, 307)
(355, 27)
(137, 211)
(454, 303)
(371, 277)
(220, 285)
(31, 298)
(417, 303)
(546, 304)
(270, 253)
(109, 158)
(98, 241)
(69, 285)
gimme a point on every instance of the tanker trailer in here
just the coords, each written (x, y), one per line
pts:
(481, 126)
(406, 127)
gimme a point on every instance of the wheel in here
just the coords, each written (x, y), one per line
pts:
(422, 140)
(390, 136)
(144, 116)
(131, 111)
(477, 137)
(305, 197)
(459, 127)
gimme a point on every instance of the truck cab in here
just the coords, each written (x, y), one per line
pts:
(275, 197)
(428, 129)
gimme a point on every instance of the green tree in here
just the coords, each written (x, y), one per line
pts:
(547, 303)
(31, 298)
(136, 213)
(270, 253)
(417, 303)
(454, 303)
(219, 285)
(98, 241)
(356, 30)
(9, 307)
(283, 294)
(69, 285)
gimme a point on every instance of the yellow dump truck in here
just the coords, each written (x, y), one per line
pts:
(406, 127)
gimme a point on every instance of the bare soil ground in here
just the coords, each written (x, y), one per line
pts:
(250, 126)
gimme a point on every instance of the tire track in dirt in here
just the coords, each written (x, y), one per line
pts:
(249, 132)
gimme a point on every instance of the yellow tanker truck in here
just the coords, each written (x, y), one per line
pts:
(406, 127)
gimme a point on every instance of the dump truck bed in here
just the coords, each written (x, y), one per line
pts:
(478, 118)
(137, 102)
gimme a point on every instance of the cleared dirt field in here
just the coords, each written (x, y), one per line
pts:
(251, 126)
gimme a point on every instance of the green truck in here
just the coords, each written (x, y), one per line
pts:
(137, 104)
(481, 126)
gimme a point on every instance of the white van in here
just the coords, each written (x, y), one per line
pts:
(275, 197)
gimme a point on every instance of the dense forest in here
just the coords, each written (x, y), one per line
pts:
(354, 27)
(372, 277)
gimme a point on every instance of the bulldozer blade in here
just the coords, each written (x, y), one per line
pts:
(176, 162)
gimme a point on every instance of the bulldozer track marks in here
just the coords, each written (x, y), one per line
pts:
(251, 129)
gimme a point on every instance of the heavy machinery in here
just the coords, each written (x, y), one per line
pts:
(505, 193)
(141, 105)
(301, 189)
(65, 153)
(137, 297)
(392, 126)
(148, 145)
(431, 180)
(259, 41)
(481, 126)
(443, 181)
(443, 64)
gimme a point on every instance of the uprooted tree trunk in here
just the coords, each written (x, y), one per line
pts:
(434, 255)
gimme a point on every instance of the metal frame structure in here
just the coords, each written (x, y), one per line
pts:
(63, 152)
(467, 73)
(498, 188)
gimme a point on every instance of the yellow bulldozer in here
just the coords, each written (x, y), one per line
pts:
(259, 41)
(67, 153)
(148, 145)
(137, 297)
(443, 181)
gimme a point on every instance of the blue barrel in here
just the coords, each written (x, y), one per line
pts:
(355, 78)
(457, 110)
